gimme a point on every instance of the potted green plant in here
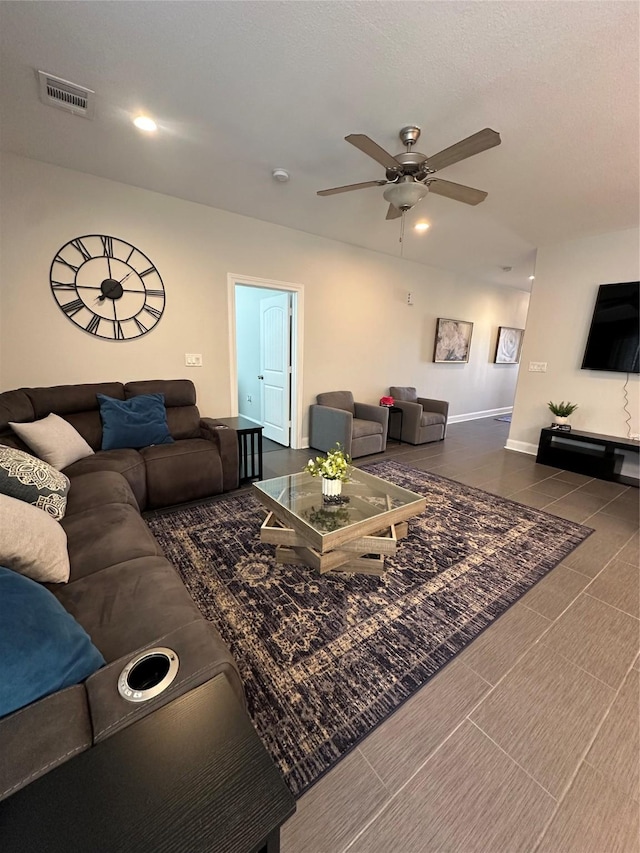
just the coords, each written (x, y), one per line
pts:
(562, 411)
(334, 469)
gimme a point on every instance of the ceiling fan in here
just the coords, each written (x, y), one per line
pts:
(410, 175)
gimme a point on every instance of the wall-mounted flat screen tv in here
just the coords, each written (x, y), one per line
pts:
(614, 337)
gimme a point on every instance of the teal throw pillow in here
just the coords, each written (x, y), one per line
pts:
(42, 647)
(138, 422)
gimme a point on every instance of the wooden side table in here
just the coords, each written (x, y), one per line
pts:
(192, 777)
(249, 446)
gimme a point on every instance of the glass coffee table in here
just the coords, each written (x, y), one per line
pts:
(353, 536)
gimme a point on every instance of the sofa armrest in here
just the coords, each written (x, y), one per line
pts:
(411, 417)
(227, 442)
(202, 655)
(370, 412)
(40, 736)
(328, 426)
(439, 406)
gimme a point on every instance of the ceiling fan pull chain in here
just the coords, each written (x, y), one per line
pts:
(402, 234)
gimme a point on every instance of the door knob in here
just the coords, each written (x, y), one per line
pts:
(260, 377)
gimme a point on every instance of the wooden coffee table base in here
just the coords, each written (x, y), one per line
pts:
(364, 555)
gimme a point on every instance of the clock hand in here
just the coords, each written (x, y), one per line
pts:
(126, 276)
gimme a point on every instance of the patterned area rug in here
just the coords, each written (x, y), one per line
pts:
(325, 659)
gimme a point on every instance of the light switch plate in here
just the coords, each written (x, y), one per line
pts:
(537, 367)
(193, 359)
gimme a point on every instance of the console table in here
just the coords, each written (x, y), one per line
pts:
(587, 453)
(192, 777)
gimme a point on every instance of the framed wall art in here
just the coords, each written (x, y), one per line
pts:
(508, 345)
(453, 341)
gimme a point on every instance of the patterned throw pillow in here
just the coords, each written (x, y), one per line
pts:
(31, 480)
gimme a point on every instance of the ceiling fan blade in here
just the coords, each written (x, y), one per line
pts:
(372, 149)
(480, 141)
(458, 192)
(349, 187)
(393, 213)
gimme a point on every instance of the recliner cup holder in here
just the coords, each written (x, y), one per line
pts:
(148, 675)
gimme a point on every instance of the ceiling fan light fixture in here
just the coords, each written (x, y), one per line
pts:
(422, 226)
(404, 194)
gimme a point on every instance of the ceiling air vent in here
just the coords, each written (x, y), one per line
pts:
(57, 92)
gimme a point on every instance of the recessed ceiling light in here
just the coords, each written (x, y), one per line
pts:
(532, 278)
(422, 226)
(145, 123)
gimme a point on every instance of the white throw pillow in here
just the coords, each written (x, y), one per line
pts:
(54, 440)
(32, 543)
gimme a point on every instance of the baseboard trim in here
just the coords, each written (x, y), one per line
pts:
(522, 447)
(476, 416)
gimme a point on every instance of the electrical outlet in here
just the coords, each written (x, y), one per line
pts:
(248, 398)
(409, 298)
(537, 367)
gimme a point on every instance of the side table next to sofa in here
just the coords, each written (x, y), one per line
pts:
(192, 777)
(249, 446)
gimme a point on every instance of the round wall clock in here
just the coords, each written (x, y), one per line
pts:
(107, 287)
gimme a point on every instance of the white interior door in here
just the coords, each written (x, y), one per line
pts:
(275, 367)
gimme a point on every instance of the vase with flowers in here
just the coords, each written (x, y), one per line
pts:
(334, 469)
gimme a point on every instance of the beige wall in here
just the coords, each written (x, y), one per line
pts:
(562, 301)
(359, 333)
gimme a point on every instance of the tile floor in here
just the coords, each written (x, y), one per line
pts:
(529, 740)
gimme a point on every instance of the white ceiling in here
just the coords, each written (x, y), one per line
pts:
(239, 88)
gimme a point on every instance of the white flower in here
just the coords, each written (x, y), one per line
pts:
(333, 466)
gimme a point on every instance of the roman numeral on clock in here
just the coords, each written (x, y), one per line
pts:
(159, 293)
(107, 246)
(80, 246)
(60, 285)
(71, 308)
(118, 334)
(147, 272)
(92, 325)
(61, 260)
(141, 328)
(153, 311)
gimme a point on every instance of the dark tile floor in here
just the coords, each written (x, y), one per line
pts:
(529, 740)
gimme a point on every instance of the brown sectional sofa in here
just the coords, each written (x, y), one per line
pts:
(122, 590)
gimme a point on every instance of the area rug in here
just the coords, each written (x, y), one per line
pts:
(325, 659)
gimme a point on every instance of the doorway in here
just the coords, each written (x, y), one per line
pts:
(265, 335)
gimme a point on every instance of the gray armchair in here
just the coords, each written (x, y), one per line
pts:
(422, 419)
(360, 428)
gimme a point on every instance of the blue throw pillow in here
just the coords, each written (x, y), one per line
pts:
(138, 422)
(42, 647)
